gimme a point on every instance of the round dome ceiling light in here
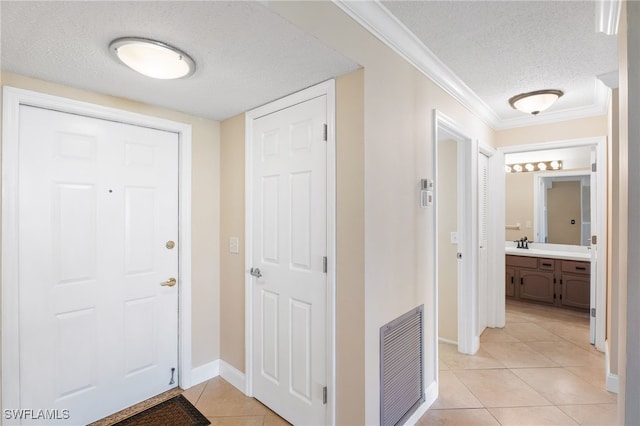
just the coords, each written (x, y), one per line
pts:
(152, 58)
(535, 102)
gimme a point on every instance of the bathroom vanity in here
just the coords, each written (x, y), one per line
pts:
(551, 277)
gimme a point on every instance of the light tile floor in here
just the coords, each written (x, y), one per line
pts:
(538, 370)
(224, 405)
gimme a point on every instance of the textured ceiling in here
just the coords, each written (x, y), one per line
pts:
(503, 48)
(245, 54)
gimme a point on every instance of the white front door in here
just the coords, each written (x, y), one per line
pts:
(483, 241)
(289, 199)
(98, 205)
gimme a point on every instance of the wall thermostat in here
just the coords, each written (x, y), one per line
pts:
(426, 193)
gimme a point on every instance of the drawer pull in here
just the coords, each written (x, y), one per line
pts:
(581, 268)
(546, 264)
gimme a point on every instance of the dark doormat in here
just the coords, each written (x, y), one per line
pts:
(176, 411)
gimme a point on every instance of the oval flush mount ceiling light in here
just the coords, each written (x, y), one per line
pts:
(152, 58)
(535, 102)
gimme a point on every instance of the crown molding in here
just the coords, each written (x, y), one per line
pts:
(608, 16)
(610, 79)
(380, 22)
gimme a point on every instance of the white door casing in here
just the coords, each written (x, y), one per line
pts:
(86, 216)
(598, 226)
(468, 339)
(289, 220)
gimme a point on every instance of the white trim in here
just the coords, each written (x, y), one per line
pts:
(449, 341)
(327, 89)
(537, 207)
(612, 383)
(608, 16)
(467, 232)
(205, 372)
(12, 99)
(380, 22)
(233, 375)
(377, 19)
(430, 395)
(600, 143)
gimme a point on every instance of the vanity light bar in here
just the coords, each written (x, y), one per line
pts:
(534, 166)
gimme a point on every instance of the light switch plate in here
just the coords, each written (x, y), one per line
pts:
(234, 245)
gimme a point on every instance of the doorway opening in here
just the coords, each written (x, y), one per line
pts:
(456, 250)
(527, 215)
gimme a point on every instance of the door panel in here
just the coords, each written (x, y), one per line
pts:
(289, 244)
(98, 201)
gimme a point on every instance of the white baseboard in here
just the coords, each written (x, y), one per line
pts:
(442, 339)
(205, 372)
(430, 396)
(613, 384)
(233, 376)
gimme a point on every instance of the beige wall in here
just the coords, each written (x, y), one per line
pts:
(563, 206)
(564, 130)
(447, 223)
(205, 206)
(350, 307)
(232, 224)
(398, 151)
(519, 205)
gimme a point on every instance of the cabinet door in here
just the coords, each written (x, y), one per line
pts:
(510, 282)
(537, 285)
(575, 291)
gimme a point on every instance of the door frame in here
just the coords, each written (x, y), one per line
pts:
(468, 340)
(327, 89)
(600, 145)
(13, 98)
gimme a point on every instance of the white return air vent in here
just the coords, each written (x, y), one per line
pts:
(401, 367)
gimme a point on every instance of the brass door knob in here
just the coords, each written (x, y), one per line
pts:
(169, 283)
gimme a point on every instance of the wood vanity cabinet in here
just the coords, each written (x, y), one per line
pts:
(554, 282)
(576, 284)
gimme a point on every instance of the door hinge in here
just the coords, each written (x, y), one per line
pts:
(554, 296)
(594, 239)
(561, 297)
(326, 132)
(594, 167)
(593, 312)
(324, 264)
(324, 395)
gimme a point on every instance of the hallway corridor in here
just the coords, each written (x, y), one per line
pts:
(539, 370)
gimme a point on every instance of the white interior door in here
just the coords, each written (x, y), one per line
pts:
(98, 203)
(289, 248)
(483, 241)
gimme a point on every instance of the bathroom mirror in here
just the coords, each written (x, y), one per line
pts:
(550, 206)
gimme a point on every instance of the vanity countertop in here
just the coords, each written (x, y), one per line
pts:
(551, 251)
